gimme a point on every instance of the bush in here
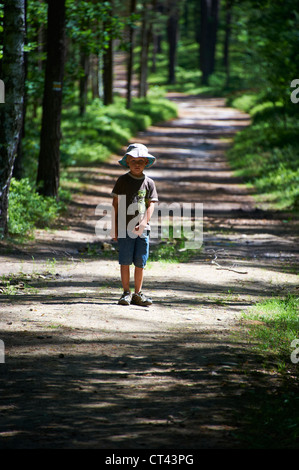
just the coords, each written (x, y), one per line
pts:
(28, 209)
(266, 154)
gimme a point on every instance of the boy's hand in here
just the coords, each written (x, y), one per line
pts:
(139, 229)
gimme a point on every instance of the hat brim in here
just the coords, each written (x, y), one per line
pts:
(151, 160)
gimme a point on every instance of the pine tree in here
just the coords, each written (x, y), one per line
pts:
(49, 156)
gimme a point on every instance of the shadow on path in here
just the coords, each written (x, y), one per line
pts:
(155, 391)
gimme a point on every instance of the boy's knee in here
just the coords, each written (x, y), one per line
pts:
(140, 263)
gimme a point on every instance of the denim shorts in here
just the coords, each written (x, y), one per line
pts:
(134, 250)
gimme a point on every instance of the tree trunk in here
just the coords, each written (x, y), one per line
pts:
(145, 40)
(208, 35)
(154, 53)
(95, 76)
(213, 36)
(204, 41)
(108, 74)
(172, 35)
(11, 112)
(49, 157)
(108, 65)
(83, 84)
(18, 169)
(130, 57)
(228, 20)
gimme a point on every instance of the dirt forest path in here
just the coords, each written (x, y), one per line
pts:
(82, 372)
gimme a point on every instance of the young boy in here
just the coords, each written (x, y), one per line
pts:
(134, 195)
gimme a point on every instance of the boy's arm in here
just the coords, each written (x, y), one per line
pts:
(114, 225)
(147, 217)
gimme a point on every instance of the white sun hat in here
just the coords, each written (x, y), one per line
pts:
(137, 151)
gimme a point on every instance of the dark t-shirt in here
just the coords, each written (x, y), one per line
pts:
(138, 193)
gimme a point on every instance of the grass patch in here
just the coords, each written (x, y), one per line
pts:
(170, 252)
(272, 410)
(274, 324)
(172, 247)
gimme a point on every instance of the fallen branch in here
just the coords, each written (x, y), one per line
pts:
(222, 267)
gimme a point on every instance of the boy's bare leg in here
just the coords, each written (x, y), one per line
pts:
(125, 277)
(138, 277)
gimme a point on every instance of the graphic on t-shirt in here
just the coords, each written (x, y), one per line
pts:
(141, 201)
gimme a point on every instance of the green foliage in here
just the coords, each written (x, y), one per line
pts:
(36, 24)
(188, 75)
(172, 248)
(245, 101)
(273, 32)
(28, 210)
(266, 153)
(277, 324)
(83, 18)
(187, 71)
(171, 251)
(105, 129)
(156, 109)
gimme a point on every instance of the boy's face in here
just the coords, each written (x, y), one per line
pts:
(136, 165)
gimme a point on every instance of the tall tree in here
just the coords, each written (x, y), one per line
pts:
(228, 22)
(108, 59)
(130, 55)
(208, 34)
(11, 112)
(49, 156)
(172, 35)
(145, 41)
